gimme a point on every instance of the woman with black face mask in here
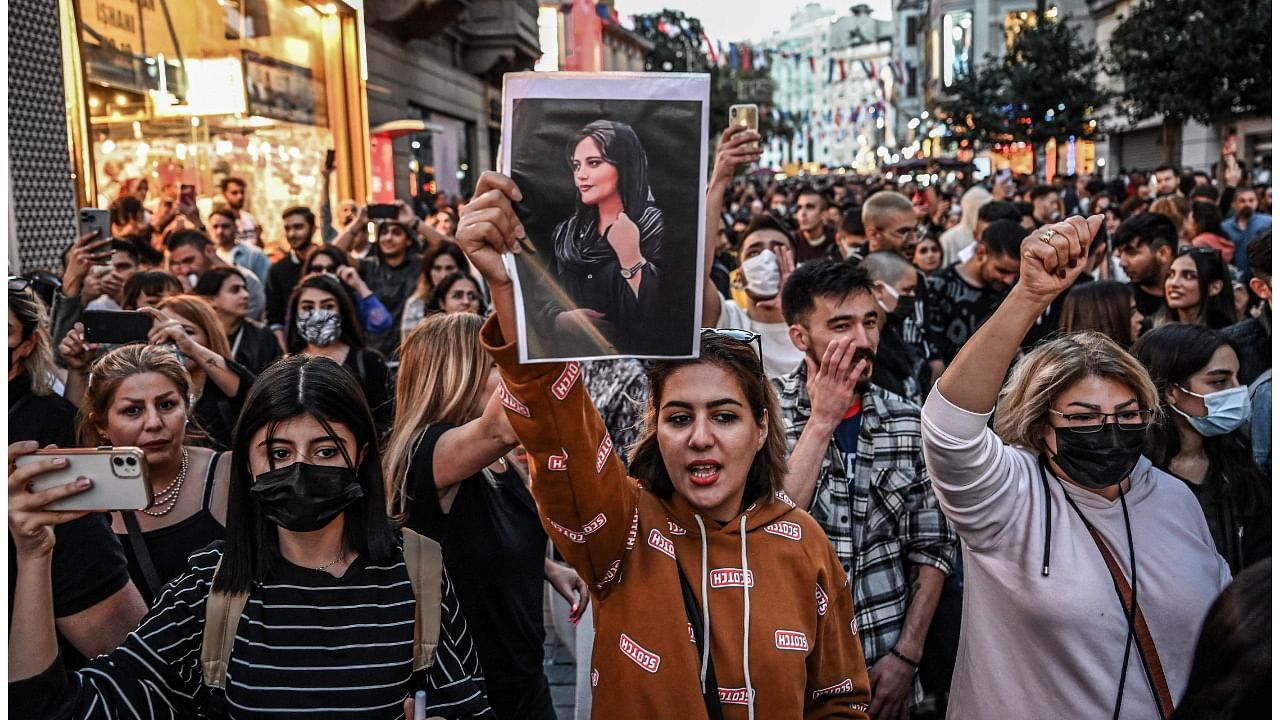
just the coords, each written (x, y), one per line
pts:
(333, 619)
(1087, 570)
(1202, 440)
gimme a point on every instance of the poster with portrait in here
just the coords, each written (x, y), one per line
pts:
(612, 167)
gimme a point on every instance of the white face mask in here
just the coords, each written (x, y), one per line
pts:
(762, 275)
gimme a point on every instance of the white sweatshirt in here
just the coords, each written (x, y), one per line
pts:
(1051, 647)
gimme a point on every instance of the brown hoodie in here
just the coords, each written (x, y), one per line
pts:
(770, 574)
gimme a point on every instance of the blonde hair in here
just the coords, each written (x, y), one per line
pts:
(197, 310)
(38, 364)
(1022, 413)
(112, 369)
(443, 369)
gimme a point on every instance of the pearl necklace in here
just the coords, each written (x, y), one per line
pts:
(169, 496)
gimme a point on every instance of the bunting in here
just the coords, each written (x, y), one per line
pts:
(844, 75)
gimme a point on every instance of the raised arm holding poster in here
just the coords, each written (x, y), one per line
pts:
(612, 167)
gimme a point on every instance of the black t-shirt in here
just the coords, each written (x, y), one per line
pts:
(88, 564)
(370, 370)
(956, 311)
(1148, 304)
(393, 286)
(281, 279)
(217, 412)
(255, 347)
(494, 546)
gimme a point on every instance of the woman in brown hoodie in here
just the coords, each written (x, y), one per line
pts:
(712, 589)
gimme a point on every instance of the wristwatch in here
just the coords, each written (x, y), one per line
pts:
(628, 273)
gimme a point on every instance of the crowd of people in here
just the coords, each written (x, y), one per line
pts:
(966, 449)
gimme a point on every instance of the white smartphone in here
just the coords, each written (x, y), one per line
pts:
(748, 116)
(119, 477)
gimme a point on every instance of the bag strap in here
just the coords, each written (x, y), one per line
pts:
(221, 619)
(711, 688)
(425, 564)
(1142, 633)
(142, 554)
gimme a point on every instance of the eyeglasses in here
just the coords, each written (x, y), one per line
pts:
(18, 283)
(742, 336)
(1092, 422)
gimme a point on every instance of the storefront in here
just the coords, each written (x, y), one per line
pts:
(188, 92)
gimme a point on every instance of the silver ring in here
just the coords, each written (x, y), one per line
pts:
(1047, 237)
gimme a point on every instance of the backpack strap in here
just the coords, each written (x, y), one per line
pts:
(221, 618)
(424, 562)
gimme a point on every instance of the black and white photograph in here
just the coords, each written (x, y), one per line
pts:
(612, 170)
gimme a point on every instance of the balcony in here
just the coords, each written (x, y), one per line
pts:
(414, 19)
(500, 36)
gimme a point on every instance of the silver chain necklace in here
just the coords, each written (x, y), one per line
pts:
(342, 554)
(169, 496)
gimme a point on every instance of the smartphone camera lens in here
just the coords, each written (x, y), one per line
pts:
(117, 461)
(131, 461)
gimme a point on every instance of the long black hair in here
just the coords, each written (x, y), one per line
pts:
(352, 332)
(621, 148)
(1215, 311)
(297, 386)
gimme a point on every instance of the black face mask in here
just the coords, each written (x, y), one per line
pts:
(302, 497)
(906, 307)
(1100, 459)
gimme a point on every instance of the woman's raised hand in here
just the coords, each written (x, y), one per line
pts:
(1053, 256)
(165, 330)
(489, 227)
(75, 350)
(30, 524)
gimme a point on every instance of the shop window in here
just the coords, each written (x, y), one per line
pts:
(190, 92)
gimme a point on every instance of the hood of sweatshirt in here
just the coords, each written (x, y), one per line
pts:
(970, 203)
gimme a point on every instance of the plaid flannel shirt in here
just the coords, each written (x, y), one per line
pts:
(886, 518)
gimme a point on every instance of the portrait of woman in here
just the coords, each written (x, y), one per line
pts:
(607, 254)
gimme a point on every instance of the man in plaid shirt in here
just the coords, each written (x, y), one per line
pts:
(856, 463)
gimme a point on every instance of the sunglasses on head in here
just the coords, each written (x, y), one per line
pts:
(742, 336)
(18, 283)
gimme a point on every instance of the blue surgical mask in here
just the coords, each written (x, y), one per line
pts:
(1226, 410)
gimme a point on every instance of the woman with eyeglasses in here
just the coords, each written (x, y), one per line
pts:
(1076, 548)
(711, 588)
(1197, 290)
(1202, 438)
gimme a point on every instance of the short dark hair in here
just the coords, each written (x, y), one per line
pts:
(1003, 237)
(1025, 209)
(851, 223)
(226, 212)
(1259, 254)
(820, 278)
(1164, 167)
(767, 221)
(183, 238)
(811, 190)
(999, 210)
(127, 248)
(1207, 217)
(302, 210)
(1147, 228)
(229, 181)
(1040, 191)
(210, 284)
(1203, 192)
(150, 282)
(124, 209)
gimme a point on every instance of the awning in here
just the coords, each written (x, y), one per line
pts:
(399, 128)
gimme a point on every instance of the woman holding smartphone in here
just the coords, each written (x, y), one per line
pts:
(330, 619)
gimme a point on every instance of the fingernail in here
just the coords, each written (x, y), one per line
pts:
(520, 231)
(1062, 273)
(83, 482)
(30, 445)
(518, 195)
(1071, 263)
(59, 461)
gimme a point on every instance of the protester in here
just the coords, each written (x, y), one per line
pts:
(1065, 452)
(392, 274)
(928, 256)
(852, 235)
(329, 259)
(1198, 290)
(765, 260)
(1146, 244)
(448, 479)
(323, 321)
(889, 221)
(1178, 210)
(1166, 181)
(1244, 224)
(712, 447)
(148, 288)
(1252, 336)
(814, 240)
(445, 260)
(299, 232)
(1231, 670)
(964, 295)
(94, 603)
(880, 515)
(124, 265)
(1201, 438)
(1046, 204)
(1204, 226)
(331, 615)
(457, 293)
(968, 231)
(1104, 306)
(223, 223)
(233, 196)
(252, 345)
(899, 366)
(192, 254)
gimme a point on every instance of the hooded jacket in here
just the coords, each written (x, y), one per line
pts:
(776, 605)
(964, 234)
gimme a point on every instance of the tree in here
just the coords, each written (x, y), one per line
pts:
(1045, 88)
(1202, 60)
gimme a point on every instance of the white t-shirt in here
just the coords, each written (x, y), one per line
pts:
(781, 356)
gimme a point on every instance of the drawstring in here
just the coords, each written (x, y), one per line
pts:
(746, 620)
(706, 611)
(1048, 521)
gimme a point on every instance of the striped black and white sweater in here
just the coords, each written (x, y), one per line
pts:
(307, 645)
